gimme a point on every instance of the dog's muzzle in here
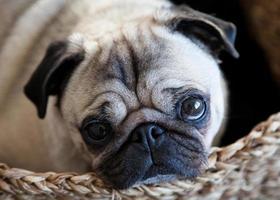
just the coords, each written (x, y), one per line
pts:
(150, 153)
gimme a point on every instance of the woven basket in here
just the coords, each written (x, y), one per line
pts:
(246, 169)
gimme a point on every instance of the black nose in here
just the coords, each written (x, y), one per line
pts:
(147, 134)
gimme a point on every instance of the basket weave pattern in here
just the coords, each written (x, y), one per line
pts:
(246, 169)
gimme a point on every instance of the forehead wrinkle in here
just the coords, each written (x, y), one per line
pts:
(122, 62)
(120, 65)
(134, 62)
(102, 105)
(91, 101)
(115, 65)
(144, 52)
(124, 58)
(117, 87)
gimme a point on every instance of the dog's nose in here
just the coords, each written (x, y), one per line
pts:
(147, 134)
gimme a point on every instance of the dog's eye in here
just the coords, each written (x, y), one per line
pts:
(192, 108)
(96, 132)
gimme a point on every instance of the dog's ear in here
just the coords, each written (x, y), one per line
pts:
(215, 33)
(58, 63)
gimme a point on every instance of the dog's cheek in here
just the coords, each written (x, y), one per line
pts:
(219, 111)
(182, 156)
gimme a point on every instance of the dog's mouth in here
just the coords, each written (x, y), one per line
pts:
(136, 163)
(131, 176)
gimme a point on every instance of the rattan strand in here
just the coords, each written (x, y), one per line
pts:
(246, 169)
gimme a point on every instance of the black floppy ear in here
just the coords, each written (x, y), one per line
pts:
(215, 33)
(57, 65)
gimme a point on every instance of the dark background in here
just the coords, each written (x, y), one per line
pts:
(254, 96)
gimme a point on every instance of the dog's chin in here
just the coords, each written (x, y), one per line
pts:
(160, 178)
(135, 164)
(154, 174)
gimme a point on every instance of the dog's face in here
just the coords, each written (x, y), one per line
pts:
(144, 103)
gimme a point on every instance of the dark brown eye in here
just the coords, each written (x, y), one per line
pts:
(192, 108)
(95, 132)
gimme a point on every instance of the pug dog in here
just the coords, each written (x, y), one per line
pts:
(129, 89)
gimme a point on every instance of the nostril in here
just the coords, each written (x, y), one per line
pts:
(156, 131)
(146, 133)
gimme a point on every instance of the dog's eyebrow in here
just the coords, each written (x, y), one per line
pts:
(186, 90)
(172, 90)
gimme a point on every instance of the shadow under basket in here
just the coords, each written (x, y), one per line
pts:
(246, 169)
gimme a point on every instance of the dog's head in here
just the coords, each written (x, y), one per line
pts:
(143, 102)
